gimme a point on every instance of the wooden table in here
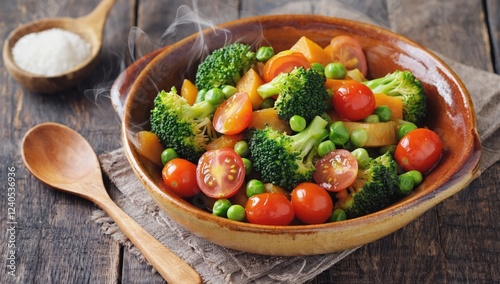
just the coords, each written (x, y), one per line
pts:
(56, 241)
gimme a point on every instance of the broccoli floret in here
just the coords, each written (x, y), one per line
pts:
(287, 160)
(373, 189)
(185, 128)
(300, 92)
(404, 85)
(225, 66)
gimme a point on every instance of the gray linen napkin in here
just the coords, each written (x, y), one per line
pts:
(217, 264)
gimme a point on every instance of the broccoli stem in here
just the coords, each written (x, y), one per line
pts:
(271, 88)
(202, 109)
(310, 137)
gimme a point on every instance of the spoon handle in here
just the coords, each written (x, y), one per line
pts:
(169, 265)
(97, 17)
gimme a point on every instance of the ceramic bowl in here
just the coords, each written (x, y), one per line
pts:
(450, 114)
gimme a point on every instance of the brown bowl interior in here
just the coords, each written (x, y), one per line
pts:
(450, 114)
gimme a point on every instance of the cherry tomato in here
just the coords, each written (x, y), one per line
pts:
(233, 115)
(269, 209)
(179, 176)
(419, 150)
(336, 171)
(353, 100)
(311, 203)
(220, 173)
(283, 62)
(348, 51)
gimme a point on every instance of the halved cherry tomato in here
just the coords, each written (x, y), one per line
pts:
(311, 203)
(419, 150)
(348, 51)
(283, 62)
(353, 100)
(336, 171)
(179, 176)
(233, 115)
(269, 209)
(220, 173)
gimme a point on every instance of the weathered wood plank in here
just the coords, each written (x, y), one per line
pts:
(492, 14)
(56, 240)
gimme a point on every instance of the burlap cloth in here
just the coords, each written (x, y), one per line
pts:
(220, 265)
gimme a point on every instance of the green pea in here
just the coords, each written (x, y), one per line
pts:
(383, 112)
(297, 123)
(372, 118)
(362, 157)
(416, 175)
(264, 53)
(359, 137)
(236, 212)
(335, 71)
(220, 207)
(167, 155)
(405, 184)
(267, 103)
(404, 128)
(200, 96)
(338, 215)
(241, 148)
(254, 186)
(318, 67)
(339, 134)
(228, 91)
(215, 96)
(248, 166)
(325, 147)
(387, 148)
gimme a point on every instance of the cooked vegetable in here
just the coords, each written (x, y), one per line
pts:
(167, 155)
(220, 173)
(189, 91)
(233, 115)
(225, 66)
(311, 203)
(373, 189)
(352, 100)
(287, 160)
(236, 212)
(185, 128)
(149, 146)
(264, 53)
(336, 170)
(300, 92)
(249, 84)
(311, 50)
(268, 117)
(269, 209)
(419, 150)
(254, 186)
(179, 176)
(335, 70)
(403, 85)
(283, 62)
(379, 134)
(348, 51)
(395, 105)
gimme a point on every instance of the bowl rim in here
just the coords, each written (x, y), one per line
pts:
(421, 203)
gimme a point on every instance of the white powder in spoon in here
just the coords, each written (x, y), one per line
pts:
(50, 52)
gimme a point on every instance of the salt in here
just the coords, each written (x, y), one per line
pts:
(50, 52)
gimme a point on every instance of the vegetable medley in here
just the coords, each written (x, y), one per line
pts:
(296, 137)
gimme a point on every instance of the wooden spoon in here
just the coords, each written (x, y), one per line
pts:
(89, 27)
(63, 159)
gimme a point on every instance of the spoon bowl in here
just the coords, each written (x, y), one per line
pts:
(88, 27)
(61, 158)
